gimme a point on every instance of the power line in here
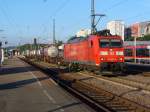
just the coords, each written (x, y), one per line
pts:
(9, 17)
(115, 5)
(6, 16)
(111, 7)
(136, 16)
(62, 6)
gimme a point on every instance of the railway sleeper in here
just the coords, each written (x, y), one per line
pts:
(132, 106)
(111, 104)
(116, 99)
(99, 97)
(120, 109)
(86, 92)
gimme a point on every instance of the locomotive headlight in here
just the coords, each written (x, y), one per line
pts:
(120, 53)
(120, 59)
(102, 59)
(103, 53)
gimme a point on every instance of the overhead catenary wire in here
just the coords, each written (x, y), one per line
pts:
(9, 17)
(61, 7)
(54, 14)
(115, 5)
(106, 10)
(6, 16)
(137, 15)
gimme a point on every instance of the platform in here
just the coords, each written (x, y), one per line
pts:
(24, 88)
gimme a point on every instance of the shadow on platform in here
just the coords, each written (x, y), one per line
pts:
(14, 70)
(17, 84)
(66, 106)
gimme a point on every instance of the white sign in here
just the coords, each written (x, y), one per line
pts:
(148, 47)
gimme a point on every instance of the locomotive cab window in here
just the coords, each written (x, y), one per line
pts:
(104, 43)
(116, 43)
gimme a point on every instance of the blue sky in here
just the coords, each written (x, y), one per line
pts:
(22, 20)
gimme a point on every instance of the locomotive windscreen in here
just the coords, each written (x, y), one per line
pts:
(104, 43)
(113, 43)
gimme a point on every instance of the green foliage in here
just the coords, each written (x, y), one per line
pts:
(129, 38)
(26, 47)
(58, 43)
(145, 38)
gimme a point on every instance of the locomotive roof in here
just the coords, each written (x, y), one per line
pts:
(131, 43)
(76, 39)
(79, 39)
(104, 33)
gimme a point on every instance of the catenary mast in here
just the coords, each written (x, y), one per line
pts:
(93, 16)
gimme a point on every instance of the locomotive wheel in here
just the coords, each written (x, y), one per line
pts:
(123, 68)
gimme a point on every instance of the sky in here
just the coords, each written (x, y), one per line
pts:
(23, 20)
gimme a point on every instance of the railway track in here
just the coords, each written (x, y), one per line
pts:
(98, 98)
(109, 100)
(123, 81)
(133, 83)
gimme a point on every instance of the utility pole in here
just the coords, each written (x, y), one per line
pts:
(35, 47)
(54, 39)
(93, 16)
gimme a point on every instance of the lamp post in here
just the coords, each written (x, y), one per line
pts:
(135, 49)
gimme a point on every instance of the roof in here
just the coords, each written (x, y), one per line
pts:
(131, 43)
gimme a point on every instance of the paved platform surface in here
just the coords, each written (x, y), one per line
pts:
(24, 88)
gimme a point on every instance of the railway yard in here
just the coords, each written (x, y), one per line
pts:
(102, 68)
(128, 92)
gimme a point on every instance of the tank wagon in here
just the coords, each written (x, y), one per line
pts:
(50, 54)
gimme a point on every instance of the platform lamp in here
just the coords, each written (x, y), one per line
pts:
(135, 38)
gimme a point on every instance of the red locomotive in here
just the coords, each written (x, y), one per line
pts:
(99, 51)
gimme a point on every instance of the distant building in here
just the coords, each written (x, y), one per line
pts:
(83, 33)
(135, 30)
(147, 29)
(140, 29)
(144, 28)
(116, 27)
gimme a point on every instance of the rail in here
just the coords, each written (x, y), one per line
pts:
(98, 98)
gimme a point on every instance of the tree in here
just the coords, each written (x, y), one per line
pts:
(145, 38)
(129, 38)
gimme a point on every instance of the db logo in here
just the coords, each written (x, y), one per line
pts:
(111, 53)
